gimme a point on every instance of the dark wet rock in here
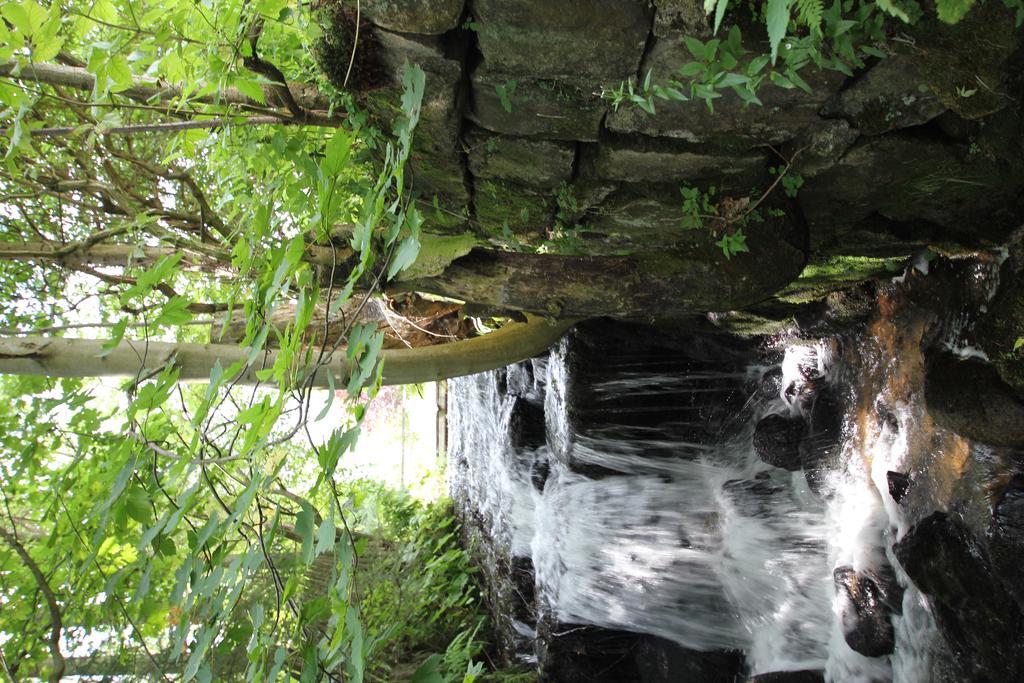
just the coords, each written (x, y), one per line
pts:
(865, 617)
(824, 142)
(899, 484)
(576, 653)
(540, 471)
(970, 65)
(591, 40)
(521, 381)
(777, 441)
(802, 676)
(526, 425)
(785, 114)
(825, 425)
(414, 16)
(552, 108)
(893, 193)
(501, 379)
(892, 95)
(1005, 537)
(662, 661)
(999, 330)
(754, 497)
(978, 618)
(968, 397)
(524, 586)
(541, 164)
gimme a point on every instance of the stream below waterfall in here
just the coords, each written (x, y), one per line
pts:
(679, 504)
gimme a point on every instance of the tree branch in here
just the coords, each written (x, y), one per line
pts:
(51, 601)
(305, 96)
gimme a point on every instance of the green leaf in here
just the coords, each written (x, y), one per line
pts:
(304, 523)
(251, 89)
(174, 312)
(325, 536)
(429, 671)
(720, 13)
(691, 69)
(136, 503)
(119, 73)
(404, 256)
(952, 11)
(337, 153)
(777, 20)
(695, 47)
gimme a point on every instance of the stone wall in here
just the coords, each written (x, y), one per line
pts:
(517, 146)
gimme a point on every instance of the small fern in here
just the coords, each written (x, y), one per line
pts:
(809, 14)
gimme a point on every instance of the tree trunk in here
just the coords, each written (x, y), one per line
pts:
(73, 255)
(407, 321)
(57, 357)
(307, 96)
(640, 286)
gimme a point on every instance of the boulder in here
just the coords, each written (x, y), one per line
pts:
(592, 40)
(550, 108)
(999, 330)
(784, 115)
(777, 441)
(437, 164)
(824, 143)
(825, 426)
(978, 618)
(539, 164)
(414, 16)
(505, 207)
(526, 425)
(661, 161)
(802, 676)
(899, 484)
(577, 653)
(1005, 536)
(865, 612)
(893, 193)
(893, 94)
(968, 397)
(662, 661)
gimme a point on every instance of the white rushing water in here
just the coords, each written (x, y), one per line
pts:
(703, 543)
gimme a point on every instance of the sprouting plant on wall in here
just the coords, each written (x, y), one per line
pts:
(505, 91)
(791, 182)
(733, 243)
(697, 205)
(801, 33)
(728, 216)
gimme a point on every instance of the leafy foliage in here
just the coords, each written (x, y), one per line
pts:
(801, 34)
(184, 527)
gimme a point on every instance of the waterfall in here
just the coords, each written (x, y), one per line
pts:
(641, 504)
